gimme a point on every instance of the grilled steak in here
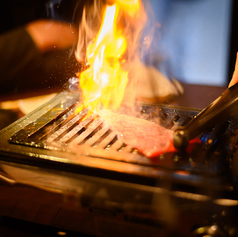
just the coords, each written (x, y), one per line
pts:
(147, 137)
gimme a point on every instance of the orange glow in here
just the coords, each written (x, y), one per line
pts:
(103, 84)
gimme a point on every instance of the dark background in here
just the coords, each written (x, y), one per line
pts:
(15, 13)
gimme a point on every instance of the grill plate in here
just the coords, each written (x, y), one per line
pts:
(54, 136)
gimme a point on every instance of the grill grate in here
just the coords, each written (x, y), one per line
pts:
(54, 137)
(60, 129)
(185, 184)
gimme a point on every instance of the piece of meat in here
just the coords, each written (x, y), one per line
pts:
(147, 137)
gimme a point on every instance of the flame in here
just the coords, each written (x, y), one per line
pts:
(132, 7)
(104, 82)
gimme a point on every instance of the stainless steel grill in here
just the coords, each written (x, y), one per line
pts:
(55, 134)
(53, 137)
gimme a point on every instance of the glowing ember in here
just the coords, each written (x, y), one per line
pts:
(103, 84)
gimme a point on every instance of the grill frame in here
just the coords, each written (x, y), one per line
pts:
(93, 163)
(118, 194)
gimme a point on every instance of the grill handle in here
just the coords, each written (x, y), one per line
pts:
(225, 104)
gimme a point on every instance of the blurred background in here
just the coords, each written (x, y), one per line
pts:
(195, 38)
(195, 41)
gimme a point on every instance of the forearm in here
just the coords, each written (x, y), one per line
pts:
(51, 35)
(27, 59)
(18, 54)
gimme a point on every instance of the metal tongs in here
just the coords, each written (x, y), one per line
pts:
(226, 104)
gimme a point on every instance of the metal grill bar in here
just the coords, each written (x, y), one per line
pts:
(96, 137)
(117, 145)
(25, 135)
(108, 141)
(89, 132)
(77, 130)
(62, 130)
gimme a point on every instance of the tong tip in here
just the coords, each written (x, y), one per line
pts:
(180, 139)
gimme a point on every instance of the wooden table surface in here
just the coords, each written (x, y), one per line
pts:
(198, 96)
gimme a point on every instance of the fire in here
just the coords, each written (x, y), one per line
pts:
(104, 82)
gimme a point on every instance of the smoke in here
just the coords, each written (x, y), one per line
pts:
(88, 27)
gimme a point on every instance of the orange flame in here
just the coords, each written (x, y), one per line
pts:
(103, 84)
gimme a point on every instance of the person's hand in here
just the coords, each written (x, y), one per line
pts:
(234, 78)
(49, 35)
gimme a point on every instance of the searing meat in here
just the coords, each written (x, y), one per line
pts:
(149, 138)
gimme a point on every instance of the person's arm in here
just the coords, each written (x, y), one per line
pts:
(17, 51)
(51, 35)
(25, 51)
